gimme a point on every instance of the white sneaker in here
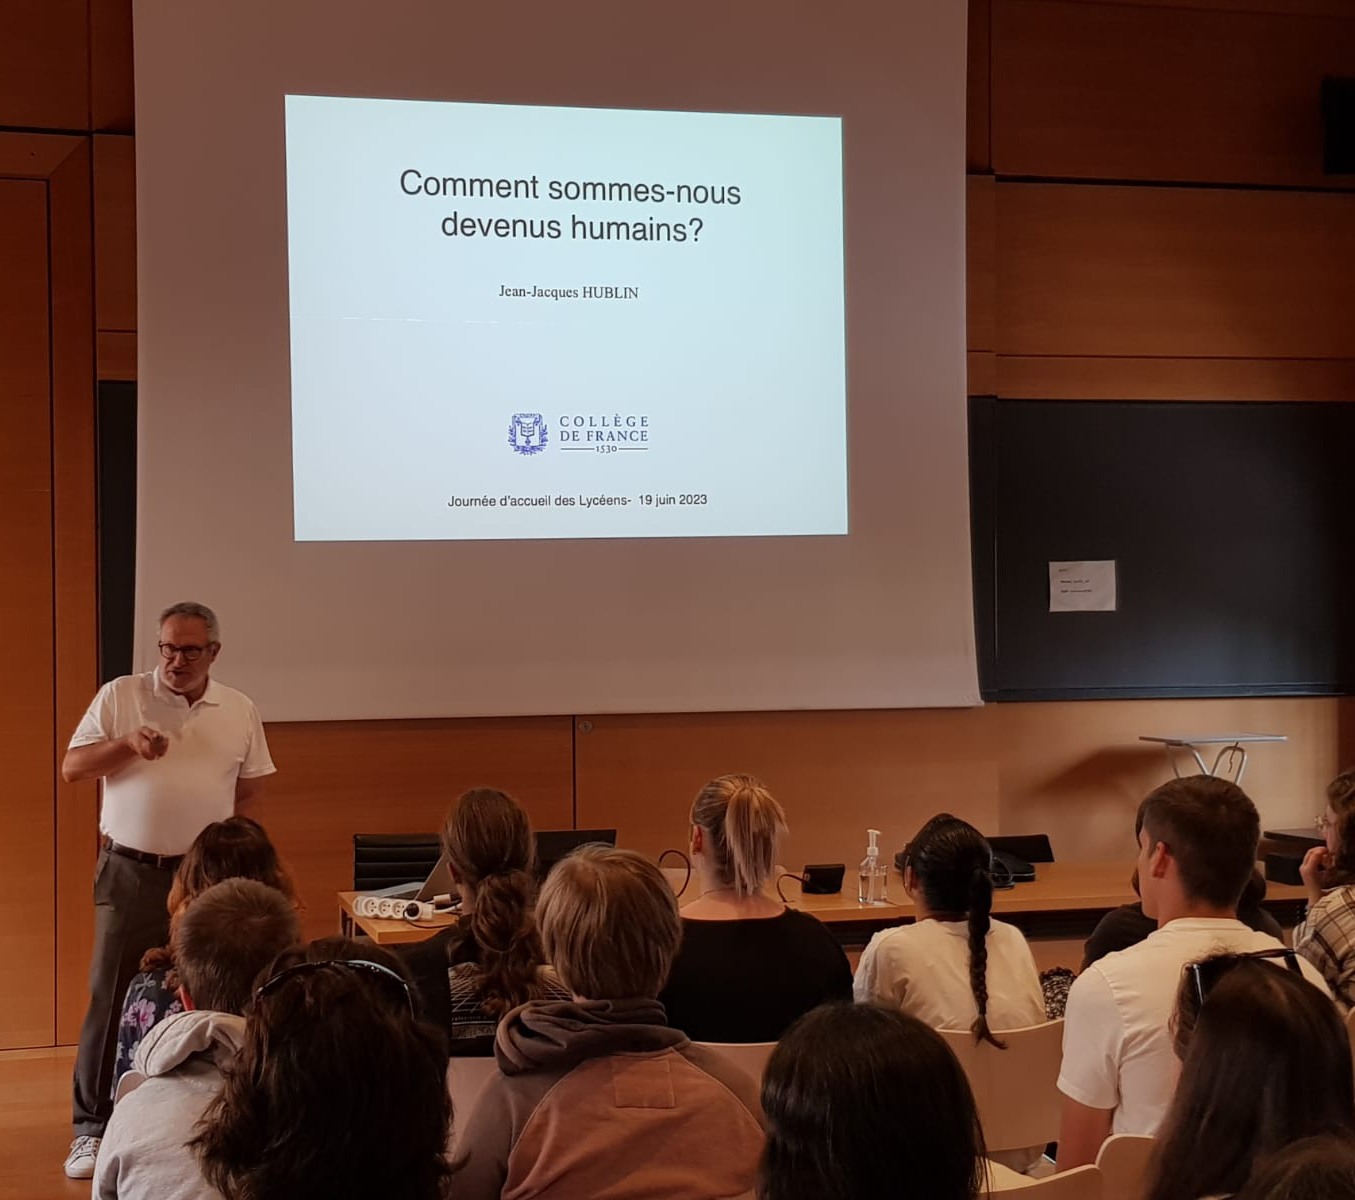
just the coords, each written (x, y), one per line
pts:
(80, 1161)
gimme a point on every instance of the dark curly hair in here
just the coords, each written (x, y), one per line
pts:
(338, 1091)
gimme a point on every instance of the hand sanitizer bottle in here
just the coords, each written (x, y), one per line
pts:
(874, 877)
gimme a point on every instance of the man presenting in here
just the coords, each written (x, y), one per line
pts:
(176, 751)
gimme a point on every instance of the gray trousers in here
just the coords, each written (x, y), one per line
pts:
(129, 919)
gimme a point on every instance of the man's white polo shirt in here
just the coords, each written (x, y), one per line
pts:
(161, 806)
(1117, 1040)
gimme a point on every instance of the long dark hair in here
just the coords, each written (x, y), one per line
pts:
(236, 848)
(953, 865)
(853, 1091)
(1265, 1064)
(1316, 1168)
(337, 1091)
(488, 841)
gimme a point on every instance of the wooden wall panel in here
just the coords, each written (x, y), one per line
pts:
(835, 772)
(1096, 91)
(336, 779)
(981, 262)
(27, 872)
(115, 232)
(44, 64)
(1174, 272)
(1074, 770)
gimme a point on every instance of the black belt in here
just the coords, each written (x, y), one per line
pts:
(148, 860)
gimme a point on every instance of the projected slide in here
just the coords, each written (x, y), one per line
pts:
(522, 322)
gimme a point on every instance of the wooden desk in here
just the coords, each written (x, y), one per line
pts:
(1065, 900)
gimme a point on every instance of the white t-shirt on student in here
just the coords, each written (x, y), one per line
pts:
(161, 806)
(923, 970)
(1117, 1039)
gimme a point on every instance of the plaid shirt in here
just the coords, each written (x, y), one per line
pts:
(1326, 938)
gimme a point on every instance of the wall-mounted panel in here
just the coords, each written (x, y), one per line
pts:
(44, 64)
(1174, 272)
(1163, 94)
(340, 778)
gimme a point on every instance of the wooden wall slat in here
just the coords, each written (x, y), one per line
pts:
(981, 261)
(339, 778)
(115, 231)
(112, 92)
(1174, 272)
(1098, 91)
(1202, 379)
(27, 875)
(44, 64)
(116, 355)
(1286, 8)
(74, 565)
(978, 140)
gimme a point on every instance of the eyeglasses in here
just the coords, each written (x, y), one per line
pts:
(350, 964)
(190, 653)
(1207, 974)
(1323, 823)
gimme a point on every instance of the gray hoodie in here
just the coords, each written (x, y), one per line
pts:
(175, 1075)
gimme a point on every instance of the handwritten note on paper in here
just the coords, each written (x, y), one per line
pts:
(1082, 586)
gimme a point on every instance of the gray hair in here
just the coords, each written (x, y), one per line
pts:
(188, 608)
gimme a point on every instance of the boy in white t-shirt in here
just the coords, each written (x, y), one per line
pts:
(1197, 847)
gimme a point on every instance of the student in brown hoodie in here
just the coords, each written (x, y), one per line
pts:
(597, 1096)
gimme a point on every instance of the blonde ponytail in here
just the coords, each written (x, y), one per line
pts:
(743, 824)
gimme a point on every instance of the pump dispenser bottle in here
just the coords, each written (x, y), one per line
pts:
(874, 876)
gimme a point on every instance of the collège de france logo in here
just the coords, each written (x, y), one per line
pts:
(527, 433)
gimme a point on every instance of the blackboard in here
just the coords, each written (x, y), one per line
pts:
(1230, 524)
(115, 430)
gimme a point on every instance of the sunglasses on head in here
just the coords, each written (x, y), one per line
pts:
(342, 964)
(1207, 974)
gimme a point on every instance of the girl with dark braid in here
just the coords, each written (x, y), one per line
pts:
(954, 967)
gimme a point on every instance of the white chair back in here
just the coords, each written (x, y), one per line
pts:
(1123, 1160)
(1016, 1089)
(465, 1078)
(1081, 1183)
(750, 1057)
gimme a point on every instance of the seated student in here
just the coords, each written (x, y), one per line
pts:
(236, 848)
(338, 1090)
(491, 960)
(1265, 1061)
(222, 939)
(748, 965)
(1127, 925)
(1315, 1168)
(599, 1097)
(1326, 936)
(862, 1101)
(954, 967)
(1197, 841)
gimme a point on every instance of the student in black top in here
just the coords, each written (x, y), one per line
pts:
(491, 960)
(1127, 925)
(748, 965)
